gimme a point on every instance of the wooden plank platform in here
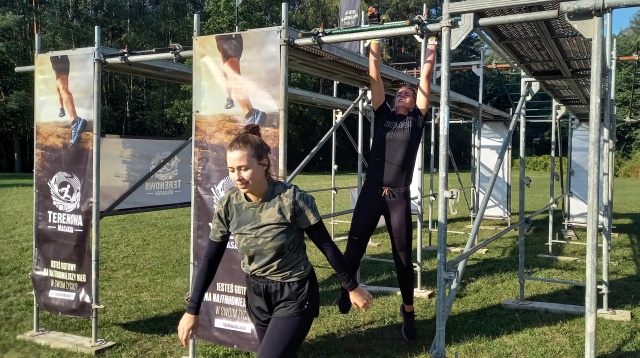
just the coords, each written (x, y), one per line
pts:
(66, 341)
(615, 315)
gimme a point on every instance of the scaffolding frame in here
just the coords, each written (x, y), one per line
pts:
(566, 85)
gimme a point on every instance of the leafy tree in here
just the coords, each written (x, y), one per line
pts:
(16, 90)
(628, 133)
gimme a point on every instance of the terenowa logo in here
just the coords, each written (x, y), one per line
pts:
(65, 195)
(166, 185)
(65, 191)
(169, 170)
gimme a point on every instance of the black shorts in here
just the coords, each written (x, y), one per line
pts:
(267, 298)
(60, 65)
(229, 45)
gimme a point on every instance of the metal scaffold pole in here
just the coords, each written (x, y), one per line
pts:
(284, 93)
(595, 113)
(442, 279)
(36, 308)
(608, 173)
(95, 214)
(554, 119)
(192, 341)
(521, 191)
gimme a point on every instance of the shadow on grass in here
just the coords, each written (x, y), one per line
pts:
(488, 322)
(15, 180)
(158, 325)
(16, 185)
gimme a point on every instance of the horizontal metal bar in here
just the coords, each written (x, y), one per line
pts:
(589, 6)
(315, 99)
(338, 213)
(468, 6)
(330, 189)
(366, 35)
(433, 28)
(551, 280)
(516, 18)
(486, 242)
(377, 259)
(629, 58)
(144, 58)
(123, 60)
(350, 30)
(22, 69)
(145, 209)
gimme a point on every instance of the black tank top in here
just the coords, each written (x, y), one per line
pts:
(395, 147)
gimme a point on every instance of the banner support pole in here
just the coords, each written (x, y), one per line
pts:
(95, 209)
(36, 308)
(196, 33)
(284, 93)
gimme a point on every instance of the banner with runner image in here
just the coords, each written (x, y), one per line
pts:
(61, 273)
(236, 80)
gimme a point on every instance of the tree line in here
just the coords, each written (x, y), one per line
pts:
(136, 106)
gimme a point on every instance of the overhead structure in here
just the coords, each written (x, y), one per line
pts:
(558, 45)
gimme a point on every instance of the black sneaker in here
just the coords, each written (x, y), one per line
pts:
(61, 114)
(229, 103)
(408, 324)
(256, 116)
(78, 126)
(344, 302)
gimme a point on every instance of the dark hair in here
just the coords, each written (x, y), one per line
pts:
(250, 140)
(410, 88)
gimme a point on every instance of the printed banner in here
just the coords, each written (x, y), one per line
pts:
(350, 17)
(236, 82)
(124, 161)
(493, 135)
(63, 182)
(578, 207)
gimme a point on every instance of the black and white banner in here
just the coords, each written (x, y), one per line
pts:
(64, 116)
(125, 161)
(350, 17)
(236, 81)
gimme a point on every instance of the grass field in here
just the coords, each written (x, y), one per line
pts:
(144, 271)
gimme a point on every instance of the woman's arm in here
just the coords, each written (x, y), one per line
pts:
(375, 80)
(422, 102)
(318, 233)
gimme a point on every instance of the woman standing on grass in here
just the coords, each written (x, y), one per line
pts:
(268, 219)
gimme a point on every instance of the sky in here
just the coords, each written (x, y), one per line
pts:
(622, 17)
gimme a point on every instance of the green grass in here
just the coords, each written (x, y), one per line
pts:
(144, 269)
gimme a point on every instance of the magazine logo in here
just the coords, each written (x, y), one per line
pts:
(65, 195)
(165, 185)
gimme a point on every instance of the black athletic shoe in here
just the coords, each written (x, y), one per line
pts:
(256, 116)
(78, 126)
(61, 114)
(408, 324)
(229, 103)
(344, 302)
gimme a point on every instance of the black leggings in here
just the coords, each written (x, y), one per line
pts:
(395, 206)
(284, 335)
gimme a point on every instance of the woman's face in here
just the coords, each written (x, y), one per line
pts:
(246, 172)
(404, 99)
